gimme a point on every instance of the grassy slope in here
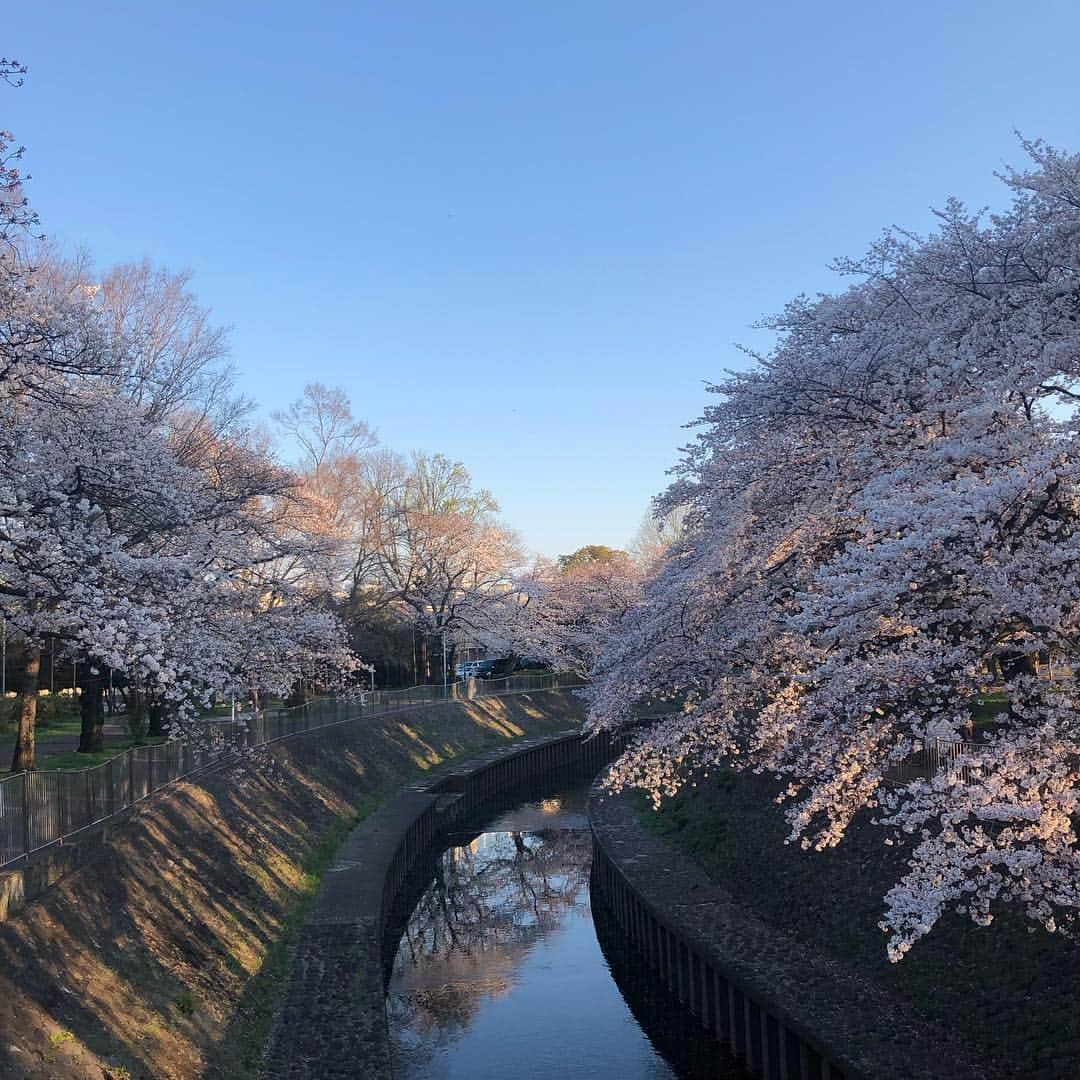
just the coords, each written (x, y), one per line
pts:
(164, 957)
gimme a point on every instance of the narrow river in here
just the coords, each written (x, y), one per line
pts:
(503, 968)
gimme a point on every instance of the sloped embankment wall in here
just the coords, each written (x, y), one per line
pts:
(332, 1021)
(151, 957)
(786, 1009)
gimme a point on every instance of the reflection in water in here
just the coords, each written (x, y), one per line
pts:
(672, 1029)
(491, 901)
(499, 973)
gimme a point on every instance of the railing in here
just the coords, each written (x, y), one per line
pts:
(953, 756)
(38, 809)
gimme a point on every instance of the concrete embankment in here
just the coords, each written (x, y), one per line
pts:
(332, 1021)
(787, 1010)
(162, 955)
(1006, 993)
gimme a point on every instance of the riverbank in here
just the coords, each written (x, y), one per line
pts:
(163, 956)
(1008, 991)
(331, 1024)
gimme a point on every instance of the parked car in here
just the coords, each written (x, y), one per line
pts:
(475, 669)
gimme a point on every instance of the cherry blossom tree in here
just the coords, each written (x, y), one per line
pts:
(140, 562)
(140, 521)
(565, 612)
(17, 217)
(879, 512)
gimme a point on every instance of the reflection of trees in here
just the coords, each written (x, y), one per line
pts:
(489, 903)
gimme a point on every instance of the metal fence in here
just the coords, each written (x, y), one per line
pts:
(42, 808)
(953, 756)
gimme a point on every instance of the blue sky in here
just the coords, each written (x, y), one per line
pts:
(525, 235)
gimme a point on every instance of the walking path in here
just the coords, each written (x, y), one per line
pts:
(115, 731)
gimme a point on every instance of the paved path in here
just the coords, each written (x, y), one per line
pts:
(115, 731)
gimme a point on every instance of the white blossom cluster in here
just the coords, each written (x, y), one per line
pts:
(142, 526)
(883, 520)
(564, 618)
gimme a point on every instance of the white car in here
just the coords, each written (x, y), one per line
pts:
(474, 669)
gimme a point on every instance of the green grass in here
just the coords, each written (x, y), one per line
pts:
(216, 711)
(691, 819)
(985, 709)
(185, 1003)
(224, 708)
(72, 759)
(57, 714)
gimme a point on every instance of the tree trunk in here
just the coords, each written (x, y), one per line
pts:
(451, 663)
(424, 672)
(136, 713)
(92, 715)
(23, 757)
(156, 711)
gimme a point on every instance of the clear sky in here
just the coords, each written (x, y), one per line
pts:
(525, 235)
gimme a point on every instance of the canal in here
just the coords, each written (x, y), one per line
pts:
(504, 969)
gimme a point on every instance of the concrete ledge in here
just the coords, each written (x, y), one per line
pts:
(789, 1013)
(332, 1015)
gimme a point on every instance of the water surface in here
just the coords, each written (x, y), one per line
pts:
(499, 972)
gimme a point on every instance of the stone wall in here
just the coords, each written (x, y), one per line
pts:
(788, 1012)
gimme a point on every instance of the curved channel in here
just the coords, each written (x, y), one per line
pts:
(504, 969)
